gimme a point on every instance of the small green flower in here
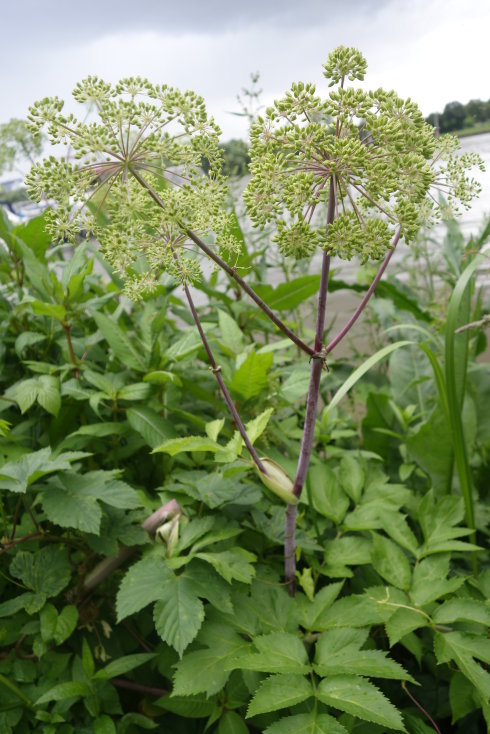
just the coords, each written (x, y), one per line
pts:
(387, 166)
(136, 182)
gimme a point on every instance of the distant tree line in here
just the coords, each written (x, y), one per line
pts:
(456, 116)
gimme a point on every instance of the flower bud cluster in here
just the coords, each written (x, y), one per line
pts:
(386, 165)
(133, 177)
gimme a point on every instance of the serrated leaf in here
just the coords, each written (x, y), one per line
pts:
(17, 475)
(142, 585)
(69, 510)
(450, 646)
(137, 720)
(278, 692)
(466, 610)
(204, 671)
(369, 663)
(123, 665)
(395, 525)
(360, 698)
(213, 428)
(391, 562)
(251, 377)
(178, 614)
(351, 477)
(279, 652)
(65, 624)
(191, 707)
(232, 564)
(64, 691)
(402, 622)
(257, 426)
(351, 611)
(296, 385)
(120, 343)
(55, 310)
(429, 580)
(46, 571)
(310, 612)
(311, 723)
(327, 496)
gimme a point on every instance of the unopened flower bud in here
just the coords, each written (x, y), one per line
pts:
(277, 481)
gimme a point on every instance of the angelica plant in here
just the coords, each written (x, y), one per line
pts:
(352, 174)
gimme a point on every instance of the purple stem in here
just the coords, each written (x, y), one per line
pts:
(421, 708)
(253, 295)
(310, 416)
(129, 685)
(366, 297)
(217, 373)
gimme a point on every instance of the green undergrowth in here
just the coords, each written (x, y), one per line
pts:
(108, 412)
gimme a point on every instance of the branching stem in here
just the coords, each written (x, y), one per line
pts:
(366, 296)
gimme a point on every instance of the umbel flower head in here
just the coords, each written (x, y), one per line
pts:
(388, 168)
(135, 182)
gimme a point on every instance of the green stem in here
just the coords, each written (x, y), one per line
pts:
(12, 687)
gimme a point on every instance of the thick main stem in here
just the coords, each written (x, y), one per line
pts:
(310, 415)
(217, 373)
(366, 296)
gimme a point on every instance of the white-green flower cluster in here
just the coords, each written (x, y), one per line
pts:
(133, 178)
(387, 166)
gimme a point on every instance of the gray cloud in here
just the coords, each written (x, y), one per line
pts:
(37, 23)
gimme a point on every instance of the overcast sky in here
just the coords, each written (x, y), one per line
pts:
(434, 51)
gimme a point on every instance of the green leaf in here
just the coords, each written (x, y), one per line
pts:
(142, 585)
(311, 612)
(232, 723)
(64, 691)
(204, 671)
(68, 509)
(311, 723)
(213, 428)
(55, 310)
(351, 477)
(190, 707)
(429, 580)
(348, 550)
(17, 475)
(352, 661)
(120, 343)
(351, 611)
(43, 388)
(163, 376)
(395, 525)
(137, 720)
(361, 371)
(402, 622)
(65, 624)
(360, 698)
(179, 613)
(231, 334)
(123, 665)
(46, 571)
(104, 725)
(151, 426)
(451, 646)
(175, 446)
(461, 696)
(462, 610)
(287, 296)
(136, 391)
(296, 385)
(327, 496)
(391, 562)
(278, 692)
(232, 564)
(189, 342)
(251, 377)
(279, 652)
(257, 426)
